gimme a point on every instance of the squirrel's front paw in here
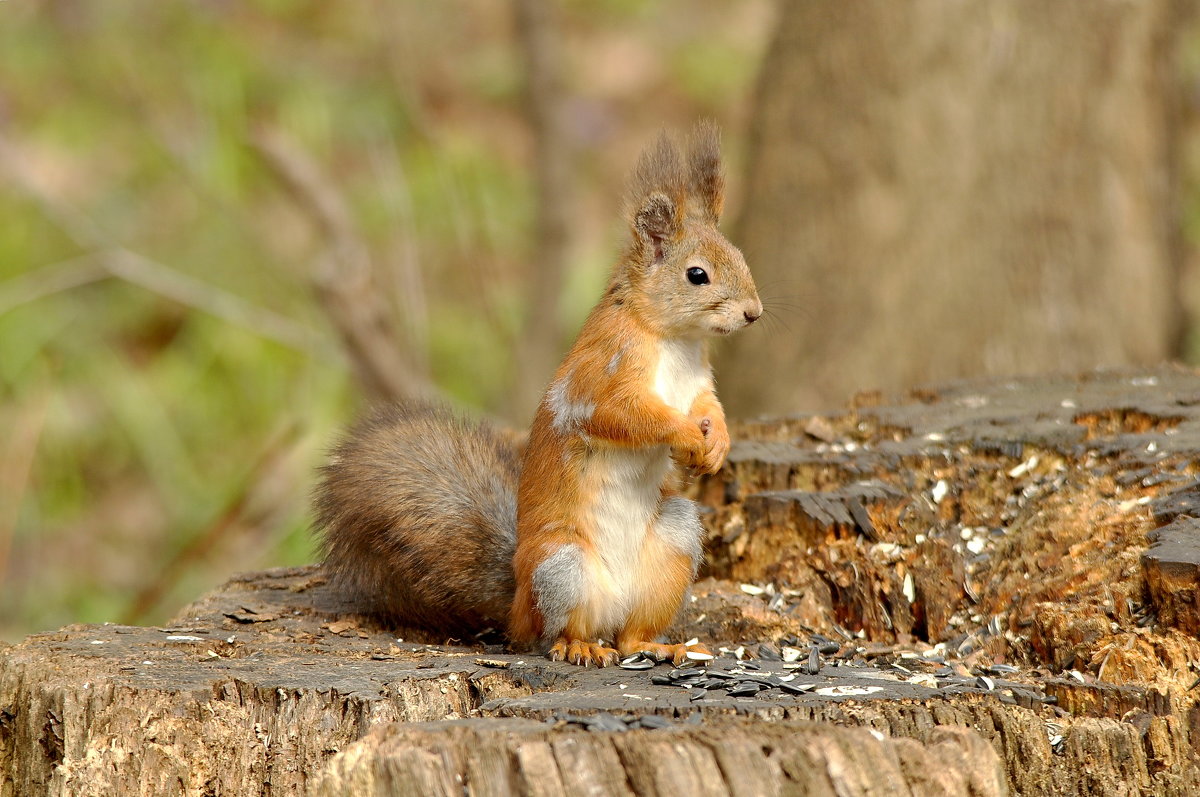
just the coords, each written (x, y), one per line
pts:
(582, 653)
(691, 447)
(716, 444)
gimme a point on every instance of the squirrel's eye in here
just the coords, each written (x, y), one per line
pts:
(697, 276)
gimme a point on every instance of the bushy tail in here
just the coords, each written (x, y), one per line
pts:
(417, 516)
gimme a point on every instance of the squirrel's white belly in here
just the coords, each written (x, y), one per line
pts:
(628, 483)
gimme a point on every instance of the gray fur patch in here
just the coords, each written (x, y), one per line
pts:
(615, 362)
(679, 526)
(568, 415)
(558, 588)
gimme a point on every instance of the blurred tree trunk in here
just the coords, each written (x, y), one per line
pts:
(540, 344)
(940, 189)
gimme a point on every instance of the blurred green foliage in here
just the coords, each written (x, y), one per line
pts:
(168, 381)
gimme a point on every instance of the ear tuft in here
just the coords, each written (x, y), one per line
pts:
(706, 178)
(657, 222)
(660, 168)
(655, 197)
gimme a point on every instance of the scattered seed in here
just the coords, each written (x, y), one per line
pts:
(607, 722)
(1024, 467)
(652, 721)
(721, 675)
(813, 666)
(747, 689)
(797, 689)
(842, 691)
(768, 653)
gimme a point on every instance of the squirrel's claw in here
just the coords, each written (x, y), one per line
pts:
(582, 653)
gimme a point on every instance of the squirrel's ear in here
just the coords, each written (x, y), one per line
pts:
(657, 223)
(705, 176)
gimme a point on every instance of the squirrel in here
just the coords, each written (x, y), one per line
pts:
(586, 545)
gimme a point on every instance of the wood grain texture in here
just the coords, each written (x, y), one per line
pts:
(271, 686)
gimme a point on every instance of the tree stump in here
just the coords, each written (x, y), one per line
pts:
(981, 589)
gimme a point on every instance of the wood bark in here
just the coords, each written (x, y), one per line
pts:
(940, 190)
(990, 587)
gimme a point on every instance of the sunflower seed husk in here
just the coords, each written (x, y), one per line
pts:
(747, 689)
(847, 690)
(607, 722)
(711, 683)
(680, 674)
(652, 721)
(813, 666)
(638, 661)
(797, 689)
(768, 653)
(722, 674)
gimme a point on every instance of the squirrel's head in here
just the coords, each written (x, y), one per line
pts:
(680, 273)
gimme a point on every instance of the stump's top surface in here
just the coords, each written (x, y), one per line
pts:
(1015, 557)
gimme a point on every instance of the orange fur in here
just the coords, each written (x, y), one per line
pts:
(631, 404)
(588, 548)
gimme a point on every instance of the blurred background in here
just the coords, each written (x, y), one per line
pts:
(226, 227)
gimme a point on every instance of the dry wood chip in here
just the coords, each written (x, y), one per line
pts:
(338, 626)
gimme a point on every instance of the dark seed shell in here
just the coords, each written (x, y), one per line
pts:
(653, 721)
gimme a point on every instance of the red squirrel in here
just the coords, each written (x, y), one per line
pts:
(587, 548)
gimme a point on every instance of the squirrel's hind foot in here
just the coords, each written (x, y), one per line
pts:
(582, 653)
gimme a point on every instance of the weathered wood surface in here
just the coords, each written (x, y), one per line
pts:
(1002, 578)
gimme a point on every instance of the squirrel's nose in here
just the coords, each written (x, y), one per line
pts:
(752, 315)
